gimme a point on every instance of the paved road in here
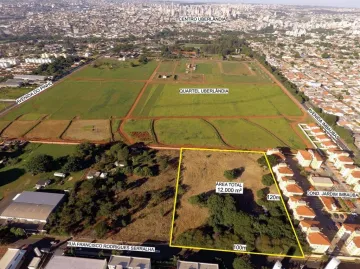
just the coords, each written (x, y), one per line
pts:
(341, 143)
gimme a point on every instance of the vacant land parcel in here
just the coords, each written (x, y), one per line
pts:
(204, 218)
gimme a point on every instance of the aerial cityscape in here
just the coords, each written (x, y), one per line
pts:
(179, 134)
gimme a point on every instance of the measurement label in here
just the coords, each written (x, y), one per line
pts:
(333, 194)
(229, 187)
(273, 197)
(239, 247)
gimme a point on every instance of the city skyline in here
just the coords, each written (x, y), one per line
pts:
(324, 3)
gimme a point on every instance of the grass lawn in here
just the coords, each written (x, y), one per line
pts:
(243, 100)
(242, 134)
(88, 100)
(167, 66)
(207, 68)
(115, 124)
(3, 124)
(4, 105)
(113, 69)
(235, 68)
(186, 131)
(139, 130)
(14, 178)
(13, 93)
(282, 129)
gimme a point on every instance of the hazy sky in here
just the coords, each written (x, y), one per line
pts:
(334, 3)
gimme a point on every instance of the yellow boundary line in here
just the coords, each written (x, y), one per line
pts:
(225, 250)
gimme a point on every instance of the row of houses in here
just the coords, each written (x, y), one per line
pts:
(312, 162)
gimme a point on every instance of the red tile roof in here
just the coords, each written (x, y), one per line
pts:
(285, 170)
(318, 238)
(293, 188)
(305, 211)
(306, 155)
(309, 223)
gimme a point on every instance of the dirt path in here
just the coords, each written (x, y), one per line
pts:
(218, 134)
(121, 129)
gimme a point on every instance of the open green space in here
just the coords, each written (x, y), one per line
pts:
(186, 132)
(115, 125)
(87, 100)
(3, 124)
(14, 178)
(114, 69)
(245, 135)
(167, 66)
(207, 68)
(242, 100)
(139, 130)
(282, 129)
(13, 93)
(4, 105)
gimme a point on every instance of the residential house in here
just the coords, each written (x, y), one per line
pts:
(196, 265)
(329, 204)
(304, 158)
(293, 189)
(295, 201)
(303, 212)
(324, 182)
(42, 183)
(347, 169)
(346, 230)
(316, 161)
(318, 242)
(353, 178)
(128, 262)
(340, 161)
(306, 224)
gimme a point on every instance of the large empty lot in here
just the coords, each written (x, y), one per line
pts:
(206, 219)
(256, 114)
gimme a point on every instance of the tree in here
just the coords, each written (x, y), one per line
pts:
(101, 229)
(325, 55)
(143, 59)
(267, 180)
(85, 150)
(242, 263)
(73, 164)
(232, 174)
(261, 194)
(39, 164)
(271, 158)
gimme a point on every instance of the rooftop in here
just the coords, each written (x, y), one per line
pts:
(61, 262)
(305, 211)
(127, 262)
(196, 265)
(318, 238)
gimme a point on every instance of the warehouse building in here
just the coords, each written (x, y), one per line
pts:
(32, 207)
(62, 262)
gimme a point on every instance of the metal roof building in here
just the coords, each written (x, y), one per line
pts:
(62, 262)
(13, 259)
(32, 206)
(116, 262)
(196, 265)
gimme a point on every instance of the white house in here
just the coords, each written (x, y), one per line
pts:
(318, 242)
(12, 259)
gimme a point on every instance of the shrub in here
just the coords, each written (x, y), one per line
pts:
(267, 180)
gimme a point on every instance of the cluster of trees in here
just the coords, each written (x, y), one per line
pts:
(95, 203)
(10, 234)
(224, 45)
(272, 161)
(227, 224)
(58, 68)
(83, 157)
(233, 173)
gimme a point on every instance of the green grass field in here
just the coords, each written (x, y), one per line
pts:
(87, 100)
(186, 132)
(13, 93)
(282, 129)
(16, 179)
(167, 67)
(143, 126)
(4, 105)
(117, 70)
(242, 100)
(207, 68)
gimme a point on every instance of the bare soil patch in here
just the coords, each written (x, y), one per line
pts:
(18, 128)
(90, 130)
(141, 136)
(153, 221)
(200, 172)
(48, 129)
